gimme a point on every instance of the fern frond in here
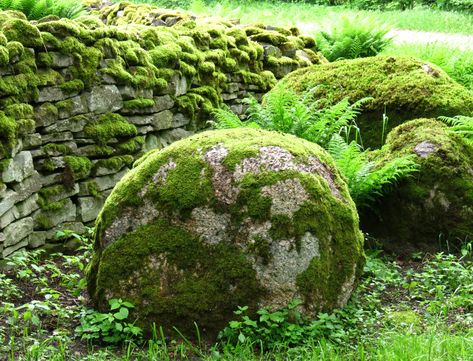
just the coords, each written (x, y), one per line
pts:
(461, 125)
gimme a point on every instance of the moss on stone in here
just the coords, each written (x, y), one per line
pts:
(22, 31)
(168, 266)
(138, 103)
(80, 166)
(19, 111)
(25, 127)
(436, 205)
(404, 87)
(15, 49)
(114, 163)
(8, 128)
(54, 149)
(73, 86)
(109, 126)
(131, 146)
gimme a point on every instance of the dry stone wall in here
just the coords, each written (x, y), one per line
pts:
(81, 100)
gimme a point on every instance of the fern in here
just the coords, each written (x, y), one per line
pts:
(366, 180)
(35, 10)
(461, 125)
(353, 37)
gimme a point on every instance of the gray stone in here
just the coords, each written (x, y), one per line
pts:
(8, 201)
(78, 105)
(29, 186)
(17, 231)
(162, 120)
(151, 142)
(229, 96)
(64, 194)
(46, 114)
(32, 141)
(162, 103)
(53, 94)
(144, 129)
(177, 85)
(180, 120)
(128, 92)
(103, 99)
(20, 167)
(102, 183)
(60, 60)
(50, 164)
(66, 214)
(47, 180)
(232, 87)
(9, 217)
(74, 124)
(36, 239)
(271, 50)
(28, 206)
(57, 137)
(7, 251)
(89, 208)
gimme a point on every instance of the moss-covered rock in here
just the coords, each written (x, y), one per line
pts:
(222, 219)
(403, 87)
(436, 204)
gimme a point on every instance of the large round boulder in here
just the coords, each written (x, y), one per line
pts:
(224, 219)
(435, 205)
(402, 87)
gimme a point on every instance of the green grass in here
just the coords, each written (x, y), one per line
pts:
(311, 17)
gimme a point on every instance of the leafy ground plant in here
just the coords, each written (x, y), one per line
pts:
(353, 37)
(35, 10)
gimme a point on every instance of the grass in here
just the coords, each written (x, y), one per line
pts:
(312, 18)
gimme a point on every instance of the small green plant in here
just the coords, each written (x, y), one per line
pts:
(111, 327)
(353, 37)
(35, 10)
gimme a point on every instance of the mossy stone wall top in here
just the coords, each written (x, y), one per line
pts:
(81, 100)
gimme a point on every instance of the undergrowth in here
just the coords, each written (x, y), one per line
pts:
(420, 307)
(35, 10)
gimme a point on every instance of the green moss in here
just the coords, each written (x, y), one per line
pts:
(138, 103)
(436, 205)
(22, 31)
(73, 86)
(25, 127)
(93, 189)
(114, 163)
(19, 111)
(403, 87)
(45, 60)
(207, 271)
(131, 146)
(8, 129)
(109, 126)
(80, 166)
(54, 149)
(15, 49)
(4, 56)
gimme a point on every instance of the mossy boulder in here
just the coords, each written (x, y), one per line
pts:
(402, 87)
(436, 204)
(224, 219)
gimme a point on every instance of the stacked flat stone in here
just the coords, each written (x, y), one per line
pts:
(79, 121)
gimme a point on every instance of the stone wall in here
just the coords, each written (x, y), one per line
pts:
(81, 100)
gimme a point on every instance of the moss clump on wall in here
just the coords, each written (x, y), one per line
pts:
(434, 206)
(109, 126)
(8, 128)
(80, 166)
(193, 226)
(138, 103)
(404, 87)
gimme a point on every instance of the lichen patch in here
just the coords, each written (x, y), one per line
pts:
(287, 196)
(426, 148)
(279, 276)
(212, 227)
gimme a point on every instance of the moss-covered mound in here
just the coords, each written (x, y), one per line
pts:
(403, 87)
(436, 204)
(224, 219)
